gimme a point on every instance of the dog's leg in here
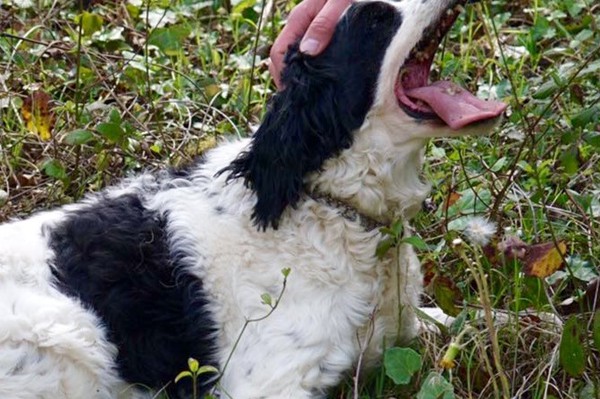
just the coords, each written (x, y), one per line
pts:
(269, 364)
(52, 348)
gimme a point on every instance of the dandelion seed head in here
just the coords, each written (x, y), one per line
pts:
(479, 230)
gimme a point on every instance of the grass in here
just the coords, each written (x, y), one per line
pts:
(137, 85)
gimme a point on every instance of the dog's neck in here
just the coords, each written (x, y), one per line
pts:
(347, 211)
(381, 180)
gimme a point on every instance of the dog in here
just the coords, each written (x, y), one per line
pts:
(260, 258)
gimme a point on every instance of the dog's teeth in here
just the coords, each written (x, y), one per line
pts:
(452, 90)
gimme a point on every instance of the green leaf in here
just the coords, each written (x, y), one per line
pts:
(169, 40)
(181, 375)
(266, 299)
(112, 131)
(384, 246)
(401, 363)
(593, 139)
(193, 365)
(242, 5)
(585, 117)
(115, 116)
(435, 386)
(571, 350)
(78, 137)
(459, 322)
(469, 202)
(55, 169)
(569, 161)
(91, 23)
(286, 271)
(582, 269)
(589, 391)
(207, 369)
(596, 330)
(545, 90)
(498, 165)
(416, 242)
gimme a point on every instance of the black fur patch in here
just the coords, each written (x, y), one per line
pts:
(326, 98)
(113, 256)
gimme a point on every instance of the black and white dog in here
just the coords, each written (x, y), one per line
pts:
(107, 297)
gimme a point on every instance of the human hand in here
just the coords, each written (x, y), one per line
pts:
(314, 21)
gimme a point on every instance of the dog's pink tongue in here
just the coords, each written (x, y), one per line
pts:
(455, 105)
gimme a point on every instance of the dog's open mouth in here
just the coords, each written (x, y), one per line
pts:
(445, 100)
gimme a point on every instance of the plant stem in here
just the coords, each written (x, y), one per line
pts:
(478, 274)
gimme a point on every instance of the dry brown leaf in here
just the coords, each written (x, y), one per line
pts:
(38, 115)
(451, 199)
(542, 260)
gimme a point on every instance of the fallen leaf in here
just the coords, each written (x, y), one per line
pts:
(542, 260)
(38, 115)
(447, 295)
(451, 199)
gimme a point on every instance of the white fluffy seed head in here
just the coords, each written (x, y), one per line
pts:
(479, 230)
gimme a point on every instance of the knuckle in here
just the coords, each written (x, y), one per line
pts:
(323, 25)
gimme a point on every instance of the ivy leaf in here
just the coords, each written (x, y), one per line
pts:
(401, 363)
(571, 350)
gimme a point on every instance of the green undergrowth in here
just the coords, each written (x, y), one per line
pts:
(94, 91)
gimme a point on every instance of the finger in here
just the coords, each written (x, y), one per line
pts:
(298, 22)
(320, 31)
(275, 73)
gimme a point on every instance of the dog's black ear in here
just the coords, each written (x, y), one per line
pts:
(325, 99)
(302, 128)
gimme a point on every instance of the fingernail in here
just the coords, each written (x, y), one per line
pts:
(309, 46)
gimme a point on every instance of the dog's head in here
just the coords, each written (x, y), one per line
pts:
(377, 67)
